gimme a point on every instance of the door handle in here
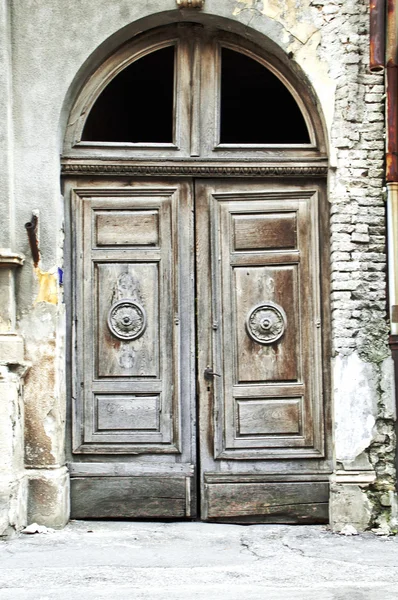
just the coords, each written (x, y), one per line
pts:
(209, 374)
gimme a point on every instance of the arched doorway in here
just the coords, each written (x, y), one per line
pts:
(195, 168)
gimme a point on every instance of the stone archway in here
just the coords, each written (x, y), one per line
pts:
(264, 434)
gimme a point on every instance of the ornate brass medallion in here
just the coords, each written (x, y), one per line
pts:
(127, 319)
(266, 323)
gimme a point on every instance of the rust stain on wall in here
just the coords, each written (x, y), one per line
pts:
(48, 288)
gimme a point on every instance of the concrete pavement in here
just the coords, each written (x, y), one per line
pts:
(95, 560)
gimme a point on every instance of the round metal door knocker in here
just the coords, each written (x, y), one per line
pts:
(127, 320)
(266, 323)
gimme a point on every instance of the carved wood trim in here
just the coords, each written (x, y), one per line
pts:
(191, 4)
(196, 170)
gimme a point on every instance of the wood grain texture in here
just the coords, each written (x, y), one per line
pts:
(256, 413)
(233, 406)
(130, 397)
(127, 228)
(128, 497)
(289, 514)
(131, 468)
(261, 289)
(127, 412)
(138, 282)
(255, 286)
(255, 499)
(268, 417)
(265, 231)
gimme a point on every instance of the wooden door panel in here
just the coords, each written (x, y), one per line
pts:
(264, 319)
(127, 228)
(257, 290)
(129, 497)
(128, 412)
(264, 231)
(129, 324)
(262, 416)
(259, 330)
(139, 283)
(268, 502)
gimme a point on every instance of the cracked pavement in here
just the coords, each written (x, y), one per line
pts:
(142, 560)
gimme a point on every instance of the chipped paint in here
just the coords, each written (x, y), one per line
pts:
(285, 13)
(318, 73)
(302, 39)
(5, 325)
(48, 286)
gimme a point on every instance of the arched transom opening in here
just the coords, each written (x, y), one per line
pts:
(185, 91)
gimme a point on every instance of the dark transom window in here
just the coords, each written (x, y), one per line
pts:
(256, 107)
(137, 105)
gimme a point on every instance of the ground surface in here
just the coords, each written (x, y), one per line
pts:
(195, 561)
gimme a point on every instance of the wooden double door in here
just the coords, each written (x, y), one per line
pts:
(198, 350)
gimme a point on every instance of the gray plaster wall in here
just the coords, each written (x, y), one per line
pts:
(47, 50)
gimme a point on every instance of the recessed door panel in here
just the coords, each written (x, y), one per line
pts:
(127, 319)
(127, 228)
(266, 323)
(264, 231)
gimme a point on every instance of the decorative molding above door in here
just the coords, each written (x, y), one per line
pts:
(191, 4)
(196, 170)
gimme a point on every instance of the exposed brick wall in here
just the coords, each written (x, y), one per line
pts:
(358, 228)
(356, 185)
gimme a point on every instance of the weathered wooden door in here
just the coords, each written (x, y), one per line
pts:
(260, 352)
(256, 376)
(134, 435)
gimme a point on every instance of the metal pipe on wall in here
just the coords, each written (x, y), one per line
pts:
(392, 91)
(384, 54)
(392, 233)
(391, 64)
(377, 35)
(392, 160)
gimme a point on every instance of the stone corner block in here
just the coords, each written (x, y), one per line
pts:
(13, 500)
(349, 505)
(48, 497)
(12, 349)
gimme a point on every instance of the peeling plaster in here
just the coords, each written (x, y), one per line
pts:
(5, 325)
(44, 400)
(285, 13)
(304, 39)
(318, 72)
(48, 286)
(355, 393)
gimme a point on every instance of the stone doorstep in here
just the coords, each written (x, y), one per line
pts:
(354, 477)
